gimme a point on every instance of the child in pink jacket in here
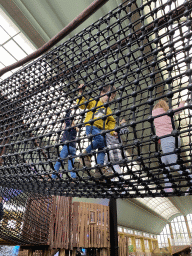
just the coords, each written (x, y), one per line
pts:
(163, 127)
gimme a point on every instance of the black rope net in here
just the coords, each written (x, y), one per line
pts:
(25, 218)
(87, 107)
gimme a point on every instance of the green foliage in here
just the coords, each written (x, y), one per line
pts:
(130, 248)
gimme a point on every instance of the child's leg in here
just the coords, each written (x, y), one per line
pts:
(97, 143)
(64, 153)
(72, 152)
(167, 183)
(168, 145)
(100, 156)
(117, 168)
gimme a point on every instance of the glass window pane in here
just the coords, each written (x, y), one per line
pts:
(163, 237)
(15, 50)
(6, 75)
(6, 58)
(162, 206)
(1, 65)
(7, 24)
(189, 218)
(4, 36)
(180, 233)
(24, 43)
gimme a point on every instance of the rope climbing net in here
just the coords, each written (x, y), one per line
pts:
(83, 120)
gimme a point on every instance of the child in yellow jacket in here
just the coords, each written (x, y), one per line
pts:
(97, 112)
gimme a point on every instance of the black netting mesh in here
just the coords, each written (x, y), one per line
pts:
(25, 218)
(136, 55)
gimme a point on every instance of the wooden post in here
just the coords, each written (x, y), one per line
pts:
(73, 252)
(70, 224)
(30, 252)
(188, 229)
(150, 245)
(62, 252)
(172, 239)
(133, 243)
(142, 244)
(170, 247)
(113, 227)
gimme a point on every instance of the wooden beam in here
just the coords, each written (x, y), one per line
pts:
(62, 252)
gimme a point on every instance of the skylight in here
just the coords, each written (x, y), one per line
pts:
(14, 45)
(162, 206)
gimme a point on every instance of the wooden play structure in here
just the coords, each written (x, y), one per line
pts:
(56, 224)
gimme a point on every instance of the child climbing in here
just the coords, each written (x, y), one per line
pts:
(70, 133)
(163, 126)
(103, 120)
(113, 142)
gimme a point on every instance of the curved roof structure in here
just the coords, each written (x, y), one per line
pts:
(162, 206)
(39, 21)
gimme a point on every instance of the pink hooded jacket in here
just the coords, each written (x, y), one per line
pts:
(163, 124)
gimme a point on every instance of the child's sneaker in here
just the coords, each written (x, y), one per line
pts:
(168, 190)
(187, 192)
(105, 171)
(97, 174)
(78, 164)
(87, 159)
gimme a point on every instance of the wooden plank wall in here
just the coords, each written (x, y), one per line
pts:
(36, 221)
(123, 245)
(59, 228)
(23, 253)
(90, 225)
(84, 225)
(27, 253)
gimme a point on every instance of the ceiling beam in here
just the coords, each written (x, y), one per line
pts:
(17, 16)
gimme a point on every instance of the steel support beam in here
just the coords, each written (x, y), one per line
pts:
(113, 227)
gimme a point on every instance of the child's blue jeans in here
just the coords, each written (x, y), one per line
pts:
(168, 146)
(97, 143)
(64, 153)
